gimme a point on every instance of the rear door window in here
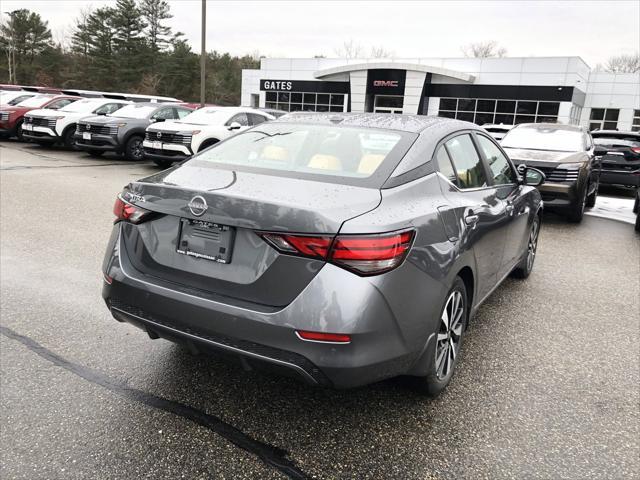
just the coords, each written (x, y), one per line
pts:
(470, 172)
(256, 119)
(445, 166)
(109, 108)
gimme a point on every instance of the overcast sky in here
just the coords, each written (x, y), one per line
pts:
(593, 30)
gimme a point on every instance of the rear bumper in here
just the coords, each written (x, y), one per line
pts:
(334, 301)
(613, 176)
(97, 142)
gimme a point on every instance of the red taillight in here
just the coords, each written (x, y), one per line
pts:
(323, 337)
(361, 254)
(635, 149)
(126, 211)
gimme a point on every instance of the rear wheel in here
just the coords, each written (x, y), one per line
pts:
(133, 149)
(577, 209)
(448, 340)
(163, 163)
(638, 222)
(523, 269)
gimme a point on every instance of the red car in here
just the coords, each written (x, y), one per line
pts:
(11, 116)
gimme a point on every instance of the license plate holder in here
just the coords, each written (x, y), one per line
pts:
(86, 136)
(27, 126)
(156, 145)
(206, 240)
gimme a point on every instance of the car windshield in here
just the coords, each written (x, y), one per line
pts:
(82, 106)
(35, 101)
(207, 116)
(537, 138)
(135, 111)
(308, 149)
(16, 98)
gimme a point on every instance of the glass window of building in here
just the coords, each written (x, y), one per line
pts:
(604, 119)
(305, 101)
(508, 112)
(635, 127)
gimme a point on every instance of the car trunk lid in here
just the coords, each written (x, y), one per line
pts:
(249, 269)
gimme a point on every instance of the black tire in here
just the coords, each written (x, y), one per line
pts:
(95, 153)
(638, 222)
(19, 132)
(591, 199)
(133, 148)
(163, 163)
(577, 209)
(446, 341)
(67, 139)
(524, 268)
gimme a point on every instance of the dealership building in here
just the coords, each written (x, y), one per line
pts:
(480, 90)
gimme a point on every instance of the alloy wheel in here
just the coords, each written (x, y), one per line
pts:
(533, 245)
(450, 334)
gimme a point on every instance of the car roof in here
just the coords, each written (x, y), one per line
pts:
(622, 133)
(552, 126)
(385, 121)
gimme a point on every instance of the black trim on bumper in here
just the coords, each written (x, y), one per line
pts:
(178, 157)
(285, 362)
(97, 142)
(39, 136)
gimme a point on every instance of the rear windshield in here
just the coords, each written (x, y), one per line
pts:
(346, 154)
(135, 111)
(551, 139)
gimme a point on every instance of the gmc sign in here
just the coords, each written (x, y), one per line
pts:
(385, 83)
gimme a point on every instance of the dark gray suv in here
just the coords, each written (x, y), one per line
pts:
(340, 249)
(123, 132)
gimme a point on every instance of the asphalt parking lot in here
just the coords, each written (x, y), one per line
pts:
(548, 385)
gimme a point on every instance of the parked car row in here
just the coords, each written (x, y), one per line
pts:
(162, 131)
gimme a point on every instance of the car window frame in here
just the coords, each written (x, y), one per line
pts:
(250, 116)
(487, 173)
(487, 167)
(177, 111)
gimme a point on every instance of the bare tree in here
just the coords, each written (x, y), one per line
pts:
(621, 64)
(349, 49)
(381, 52)
(487, 49)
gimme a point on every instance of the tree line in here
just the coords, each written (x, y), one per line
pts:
(127, 47)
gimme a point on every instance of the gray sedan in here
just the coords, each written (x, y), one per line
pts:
(340, 249)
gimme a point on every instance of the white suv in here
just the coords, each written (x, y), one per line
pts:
(169, 142)
(58, 126)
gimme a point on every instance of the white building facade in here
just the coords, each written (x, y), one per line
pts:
(480, 90)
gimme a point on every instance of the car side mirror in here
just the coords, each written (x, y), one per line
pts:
(101, 113)
(234, 126)
(155, 120)
(532, 176)
(599, 151)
